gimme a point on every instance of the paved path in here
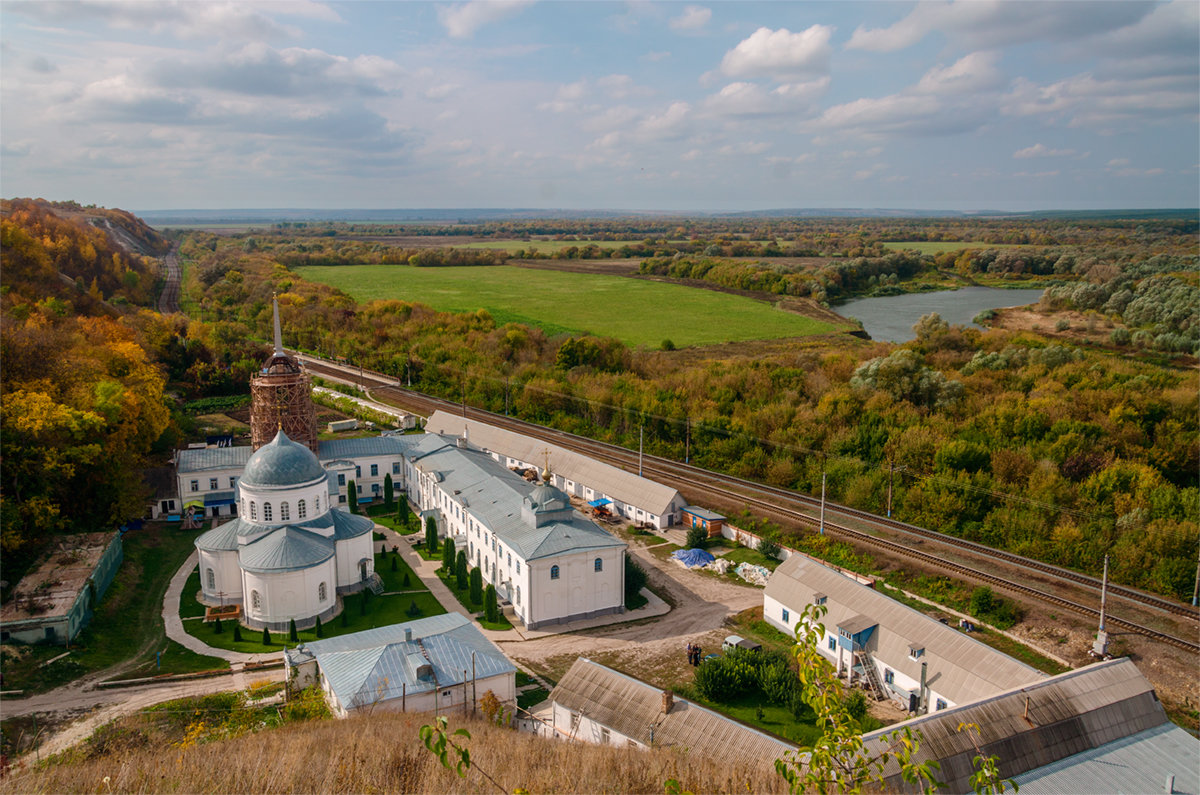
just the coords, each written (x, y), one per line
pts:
(174, 626)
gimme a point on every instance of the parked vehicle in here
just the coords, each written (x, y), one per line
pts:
(737, 641)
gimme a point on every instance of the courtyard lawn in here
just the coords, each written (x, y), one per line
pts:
(380, 611)
(127, 627)
(640, 313)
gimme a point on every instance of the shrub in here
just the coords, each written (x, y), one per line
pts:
(1120, 336)
(217, 629)
(476, 586)
(293, 635)
(491, 608)
(396, 567)
(237, 633)
(768, 543)
(266, 638)
(448, 554)
(668, 345)
(726, 678)
(635, 578)
(389, 492)
(1062, 324)
(697, 537)
(856, 705)
(431, 534)
(413, 611)
(460, 569)
(352, 495)
(982, 601)
(319, 629)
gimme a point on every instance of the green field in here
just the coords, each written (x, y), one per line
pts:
(640, 313)
(939, 246)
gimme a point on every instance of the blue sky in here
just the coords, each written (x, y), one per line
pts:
(594, 105)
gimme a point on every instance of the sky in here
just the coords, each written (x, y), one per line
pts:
(669, 106)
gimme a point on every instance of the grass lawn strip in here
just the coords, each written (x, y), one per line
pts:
(640, 313)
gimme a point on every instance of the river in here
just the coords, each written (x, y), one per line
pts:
(891, 319)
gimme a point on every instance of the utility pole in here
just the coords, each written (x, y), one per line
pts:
(822, 528)
(1196, 588)
(687, 435)
(505, 396)
(641, 436)
(1100, 647)
(891, 479)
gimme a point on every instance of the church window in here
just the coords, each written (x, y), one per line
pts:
(253, 510)
(598, 564)
(301, 509)
(212, 579)
(255, 600)
(554, 572)
(266, 511)
(322, 592)
(284, 512)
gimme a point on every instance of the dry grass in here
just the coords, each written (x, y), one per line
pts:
(382, 753)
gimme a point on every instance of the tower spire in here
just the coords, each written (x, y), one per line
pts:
(278, 333)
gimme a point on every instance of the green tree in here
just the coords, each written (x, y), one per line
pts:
(320, 630)
(352, 495)
(266, 638)
(635, 578)
(491, 608)
(448, 554)
(476, 586)
(293, 635)
(237, 632)
(389, 495)
(460, 569)
(217, 629)
(431, 535)
(697, 537)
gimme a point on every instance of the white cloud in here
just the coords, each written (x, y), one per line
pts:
(1085, 100)
(780, 54)
(1041, 150)
(1118, 161)
(667, 124)
(751, 99)
(692, 18)
(441, 91)
(993, 23)
(461, 21)
(969, 74)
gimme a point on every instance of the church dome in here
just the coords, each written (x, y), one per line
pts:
(547, 498)
(282, 462)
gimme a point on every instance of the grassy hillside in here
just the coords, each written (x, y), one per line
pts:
(374, 753)
(639, 313)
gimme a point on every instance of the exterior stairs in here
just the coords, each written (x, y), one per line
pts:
(375, 583)
(875, 684)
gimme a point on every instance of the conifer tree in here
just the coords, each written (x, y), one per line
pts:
(389, 494)
(476, 586)
(448, 554)
(293, 635)
(352, 496)
(431, 535)
(320, 629)
(237, 633)
(266, 638)
(460, 569)
(491, 608)
(217, 628)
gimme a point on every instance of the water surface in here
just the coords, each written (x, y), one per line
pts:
(891, 319)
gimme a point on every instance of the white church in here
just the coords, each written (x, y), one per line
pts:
(289, 553)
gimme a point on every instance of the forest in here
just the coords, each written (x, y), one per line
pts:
(1061, 452)
(1058, 452)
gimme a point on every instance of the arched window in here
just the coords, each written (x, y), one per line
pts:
(598, 565)
(266, 511)
(322, 592)
(284, 513)
(253, 510)
(212, 579)
(554, 572)
(255, 601)
(518, 594)
(470, 549)
(317, 503)
(301, 509)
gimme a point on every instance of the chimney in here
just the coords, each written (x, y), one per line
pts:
(1170, 785)
(408, 636)
(668, 701)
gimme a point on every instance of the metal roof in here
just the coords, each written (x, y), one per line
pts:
(704, 513)
(380, 664)
(495, 496)
(212, 458)
(617, 483)
(281, 462)
(959, 667)
(285, 548)
(1075, 714)
(364, 447)
(345, 525)
(634, 708)
(1141, 762)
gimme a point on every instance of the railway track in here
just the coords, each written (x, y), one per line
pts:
(795, 507)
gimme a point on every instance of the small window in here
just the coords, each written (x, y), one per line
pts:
(786, 615)
(284, 512)
(470, 548)
(358, 489)
(396, 468)
(509, 558)
(301, 509)
(317, 503)
(554, 572)
(358, 472)
(821, 599)
(916, 652)
(341, 498)
(255, 600)
(889, 675)
(832, 643)
(322, 592)
(266, 511)
(212, 484)
(211, 576)
(518, 592)
(232, 482)
(518, 565)
(598, 564)
(253, 510)
(941, 704)
(605, 736)
(195, 485)
(374, 470)
(341, 478)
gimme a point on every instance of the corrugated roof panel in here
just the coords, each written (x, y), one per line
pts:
(333, 449)
(285, 548)
(212, 458)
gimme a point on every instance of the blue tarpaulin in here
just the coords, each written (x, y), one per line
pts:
(599, 502)
(693, 558)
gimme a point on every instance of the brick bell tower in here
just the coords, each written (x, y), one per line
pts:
(281, 398)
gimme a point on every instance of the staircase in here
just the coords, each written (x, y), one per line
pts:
(375, 583)
(875, 685)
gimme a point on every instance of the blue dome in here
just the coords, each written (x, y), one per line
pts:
(282, 462)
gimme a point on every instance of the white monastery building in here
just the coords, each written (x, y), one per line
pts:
(899, 652)
(289, 553)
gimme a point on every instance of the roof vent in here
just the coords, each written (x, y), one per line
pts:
(668, 701)
(425, 672)
(408, 635)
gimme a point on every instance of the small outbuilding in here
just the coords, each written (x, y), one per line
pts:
(710, 521)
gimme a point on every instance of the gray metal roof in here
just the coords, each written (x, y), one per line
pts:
(1141, 762)
(285, 548)
(212, 458)
(495, 495)
(377, 665)
(281, 462)
(1070, 715)
(365, 447)
(959, 667)
(704, 513)
(345, 525)
(634, 708)
(625, 486)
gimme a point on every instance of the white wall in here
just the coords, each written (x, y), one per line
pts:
(579, 589)
(448, 699)
(348, 552)
(291, 594)
(226, 573)
(573, 726)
